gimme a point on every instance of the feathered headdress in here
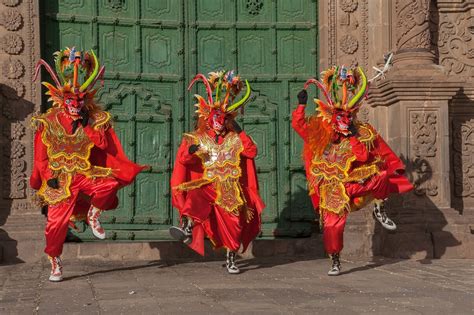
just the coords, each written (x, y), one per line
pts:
(225, 86)
(344, 89)
(76, 72)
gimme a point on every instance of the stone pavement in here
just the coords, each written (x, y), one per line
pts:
(271, 285)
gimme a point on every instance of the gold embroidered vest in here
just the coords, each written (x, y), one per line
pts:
(334, 168)
(68, 154)
(221, 164)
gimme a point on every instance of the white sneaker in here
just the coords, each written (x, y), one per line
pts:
(336, 265)
(56, 269)
(381, 216)
(93, 218)
(180, 234)
(183, 233)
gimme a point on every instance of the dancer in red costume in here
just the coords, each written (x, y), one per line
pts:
(214, 181)
(79, 164)
(347, 162)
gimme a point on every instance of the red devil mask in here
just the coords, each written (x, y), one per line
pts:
(74, 102)
(341, 121)
(216, 120)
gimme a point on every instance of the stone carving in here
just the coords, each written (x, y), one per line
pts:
(14, 132)
(463, 164)
(332, 33)
(13, 69)
(347, 32)
(455, 43)
(421, 178)
(18, 149)
(423, 128)
(412, 27)
(348, 44)
(364, 33)
(348, 6)
(18, 179)
(11, 3)
(424, 132)
(254, 6)
(11, 19)
(14, 91)
(12, 44)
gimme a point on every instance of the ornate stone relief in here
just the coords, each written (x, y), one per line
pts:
(463, 162)
(424, 131)
(348, 44)
(412, 26)
(11, 3)
(348, 32)
(456, 43)
(15, 66)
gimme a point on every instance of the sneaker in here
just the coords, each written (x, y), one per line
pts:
(230, 263)
(93, 218)
(381, 216)
(336, 265)
(183, 233)
(56, 269)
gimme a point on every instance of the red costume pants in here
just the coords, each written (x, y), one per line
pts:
(333, 231)
(221, 227)
(103, 194)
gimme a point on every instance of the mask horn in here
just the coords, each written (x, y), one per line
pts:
(40, 63)
(93, 75)
(100, 74)
(242, 101)
(321, 87)
(206, 83)
(361, 91)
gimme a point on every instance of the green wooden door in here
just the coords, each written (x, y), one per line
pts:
(151, 50)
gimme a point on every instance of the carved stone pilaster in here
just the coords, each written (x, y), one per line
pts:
(411, 27)
(19, 98)
(420, 105)
(344, 32)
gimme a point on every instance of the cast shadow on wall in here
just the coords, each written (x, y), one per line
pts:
(13, 131)
(420, 233)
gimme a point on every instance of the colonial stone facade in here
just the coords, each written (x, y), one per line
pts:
(424, 108)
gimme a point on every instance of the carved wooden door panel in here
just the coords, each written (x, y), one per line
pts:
(141, 44)
(151, 50)
(274, 45)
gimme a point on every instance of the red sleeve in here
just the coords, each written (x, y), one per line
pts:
(393, 162)
(299, 121)
(41, 169)
(359, 149)
(250, 148)
(183, 155)
(179, 176)
(97, 136)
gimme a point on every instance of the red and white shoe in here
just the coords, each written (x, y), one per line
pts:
(93, 218)
(56, 269)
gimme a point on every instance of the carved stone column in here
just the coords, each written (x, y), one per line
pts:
(20, 221)
(411, 27)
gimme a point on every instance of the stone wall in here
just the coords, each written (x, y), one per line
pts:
(424, 108)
